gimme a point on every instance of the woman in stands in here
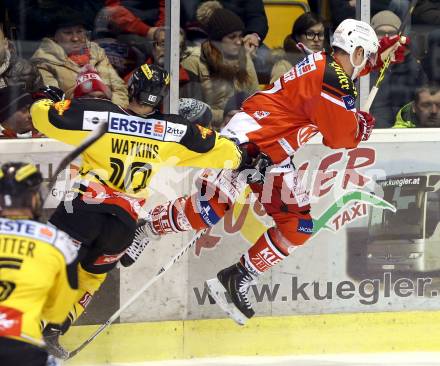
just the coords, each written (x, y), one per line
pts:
(308, 36)
(222, 63)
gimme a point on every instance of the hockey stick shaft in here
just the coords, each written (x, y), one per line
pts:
(387, 61)
(89, 141)
(158, 275)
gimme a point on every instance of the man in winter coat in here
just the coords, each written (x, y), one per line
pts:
(60, 58)
(424, 111)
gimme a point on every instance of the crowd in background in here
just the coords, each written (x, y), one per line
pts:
(90, 48)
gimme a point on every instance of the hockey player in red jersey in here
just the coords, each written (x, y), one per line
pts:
(316, 95)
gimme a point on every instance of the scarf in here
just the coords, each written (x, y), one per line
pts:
(3, 67)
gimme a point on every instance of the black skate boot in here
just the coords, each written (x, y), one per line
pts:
(141, 240)
(51, 336)
(232, 284)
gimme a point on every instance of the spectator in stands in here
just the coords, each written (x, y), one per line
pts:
(15, 70)
(222, 64)
(308, 36)
(401, 80)
(252, 14)
(233, 106)
(138, 17)
(189, 86)
(195, 111)
(90, 85)
(15, 118)
(424, 111)
(131, 22)
(427, 12)
(60, 58)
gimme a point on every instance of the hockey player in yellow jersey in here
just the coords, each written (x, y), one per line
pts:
(38, 268)
(117, 169)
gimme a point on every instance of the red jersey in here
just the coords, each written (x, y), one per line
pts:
(315, 95)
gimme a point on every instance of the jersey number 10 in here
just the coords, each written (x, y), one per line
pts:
(136, 176)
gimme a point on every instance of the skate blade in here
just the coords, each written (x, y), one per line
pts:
(217, 291)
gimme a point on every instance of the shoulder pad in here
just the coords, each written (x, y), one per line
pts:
(67, 246)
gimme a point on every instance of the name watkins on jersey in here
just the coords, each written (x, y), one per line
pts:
(142, 127)
(135, 148)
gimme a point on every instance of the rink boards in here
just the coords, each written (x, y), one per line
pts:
(324, 299)
(263, 336)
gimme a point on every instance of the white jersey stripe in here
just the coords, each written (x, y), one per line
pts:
(240, 125)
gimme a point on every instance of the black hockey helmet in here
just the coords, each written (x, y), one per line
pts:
(148, 85)
(20, 187)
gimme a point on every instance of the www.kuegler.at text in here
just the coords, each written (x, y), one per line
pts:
(367, 291)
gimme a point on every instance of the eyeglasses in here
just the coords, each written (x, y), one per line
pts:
(312, 35)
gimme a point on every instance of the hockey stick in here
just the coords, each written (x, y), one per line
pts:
(387, 62)
(158, 275)
(89, 141)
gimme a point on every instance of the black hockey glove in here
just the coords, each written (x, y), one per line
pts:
(49, 92)
(254, 163)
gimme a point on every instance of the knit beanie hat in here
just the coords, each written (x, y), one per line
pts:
(205, 10)
(87, 81)
(385, 17)
(195, 111)
(12, 99)
(223, 22)
(64, 17)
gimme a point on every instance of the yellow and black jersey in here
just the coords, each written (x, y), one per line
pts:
(134, 147)
(38, 278)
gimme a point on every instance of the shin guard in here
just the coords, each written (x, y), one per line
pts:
(264, 254)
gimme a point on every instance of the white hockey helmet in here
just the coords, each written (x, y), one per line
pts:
(351, 34)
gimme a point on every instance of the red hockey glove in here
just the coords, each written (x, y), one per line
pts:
(366, 124)
(395, 46)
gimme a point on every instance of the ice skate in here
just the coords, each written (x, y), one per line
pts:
(51, 336)
(141, 239)
(230, 292)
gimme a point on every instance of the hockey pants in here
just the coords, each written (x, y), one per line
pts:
(284, 200)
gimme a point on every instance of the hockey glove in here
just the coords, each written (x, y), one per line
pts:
(255, 163)
(49, 92)
(395, 46)
(366, 123)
